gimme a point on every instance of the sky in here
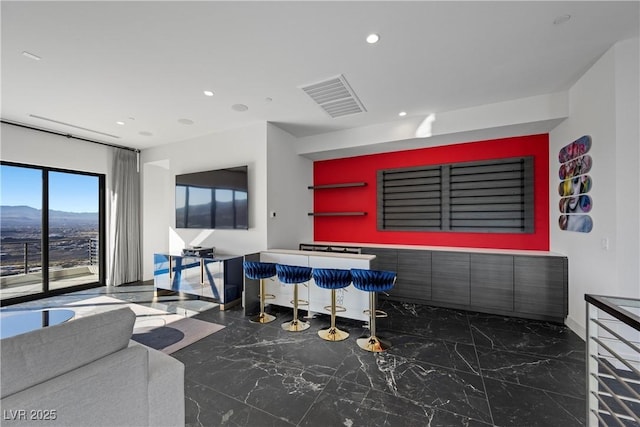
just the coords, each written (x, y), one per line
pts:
(68, 192)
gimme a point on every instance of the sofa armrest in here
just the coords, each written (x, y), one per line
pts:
(166, 389)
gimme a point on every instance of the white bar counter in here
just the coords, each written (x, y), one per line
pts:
(352, 299)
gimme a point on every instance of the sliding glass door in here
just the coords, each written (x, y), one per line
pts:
(52, 228)
(74, 236)
(20, 231)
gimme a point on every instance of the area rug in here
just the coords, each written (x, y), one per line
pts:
(154, 328)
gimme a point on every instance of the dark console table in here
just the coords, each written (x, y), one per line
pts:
(218, 279)
(524, 284)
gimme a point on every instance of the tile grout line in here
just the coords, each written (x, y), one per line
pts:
(239, 401)
(333, 376)
(475, 349)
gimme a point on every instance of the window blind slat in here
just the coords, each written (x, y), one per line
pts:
(484, 196)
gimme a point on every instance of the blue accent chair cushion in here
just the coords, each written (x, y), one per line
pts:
(292, 274)
(373, 280)
(259, 270)
(331, 278)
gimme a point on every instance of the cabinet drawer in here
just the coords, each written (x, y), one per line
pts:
(414, 275)
(450, 277)
(492, 279)
(540, 285)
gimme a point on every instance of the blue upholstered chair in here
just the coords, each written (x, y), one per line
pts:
(260, 271)
(373, 281)
(294, 275)
(331, 278)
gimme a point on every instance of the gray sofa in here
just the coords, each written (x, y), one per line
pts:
(87, 372)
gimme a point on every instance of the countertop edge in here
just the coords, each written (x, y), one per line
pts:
(320, 254)
(440, 248)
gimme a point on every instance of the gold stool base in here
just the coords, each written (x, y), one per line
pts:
(263, 318)
(333, 334)
(373, 344)
(296, 326)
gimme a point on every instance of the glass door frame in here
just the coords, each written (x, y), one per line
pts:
(46, 292)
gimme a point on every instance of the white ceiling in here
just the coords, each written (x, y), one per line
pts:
(147, 63)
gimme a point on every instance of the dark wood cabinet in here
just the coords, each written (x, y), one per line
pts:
(414, 275)
(450, 277)
(386, 259)
(541, 286)
(413, 269)
(530, 286)
(492, 279)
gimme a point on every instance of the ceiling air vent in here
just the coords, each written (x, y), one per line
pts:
(72, 126)
(335, 96)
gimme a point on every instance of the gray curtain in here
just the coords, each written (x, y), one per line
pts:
(125, 264)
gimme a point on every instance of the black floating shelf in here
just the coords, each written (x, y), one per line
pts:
(337, 213)
(343, 185)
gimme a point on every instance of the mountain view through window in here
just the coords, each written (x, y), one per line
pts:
(69, 254)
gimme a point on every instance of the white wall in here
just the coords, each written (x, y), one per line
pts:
(22, 145)
(246, 146)
(627, 75)
(288, 176)
(518, 117)
(604, 103)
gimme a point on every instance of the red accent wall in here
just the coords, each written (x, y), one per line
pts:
(363, 229)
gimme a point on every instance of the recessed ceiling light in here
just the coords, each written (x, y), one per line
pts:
(208, 93)
(120, 123)
(186, 121)
(31, 56)
(239, 107)
(373, 38)
(402, 113)
(561, 19)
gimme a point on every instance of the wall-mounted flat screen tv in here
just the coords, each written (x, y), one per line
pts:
(213, 199)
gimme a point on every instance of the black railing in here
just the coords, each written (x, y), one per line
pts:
(613, 361)
(93, 251)
(25, 257)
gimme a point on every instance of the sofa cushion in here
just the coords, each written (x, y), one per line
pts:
(109, 392)
(40, 355)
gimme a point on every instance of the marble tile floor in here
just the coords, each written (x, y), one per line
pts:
(445, 368)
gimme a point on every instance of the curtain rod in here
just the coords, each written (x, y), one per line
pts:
(68, 135)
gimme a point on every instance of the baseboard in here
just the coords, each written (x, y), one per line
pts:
(576, 327)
